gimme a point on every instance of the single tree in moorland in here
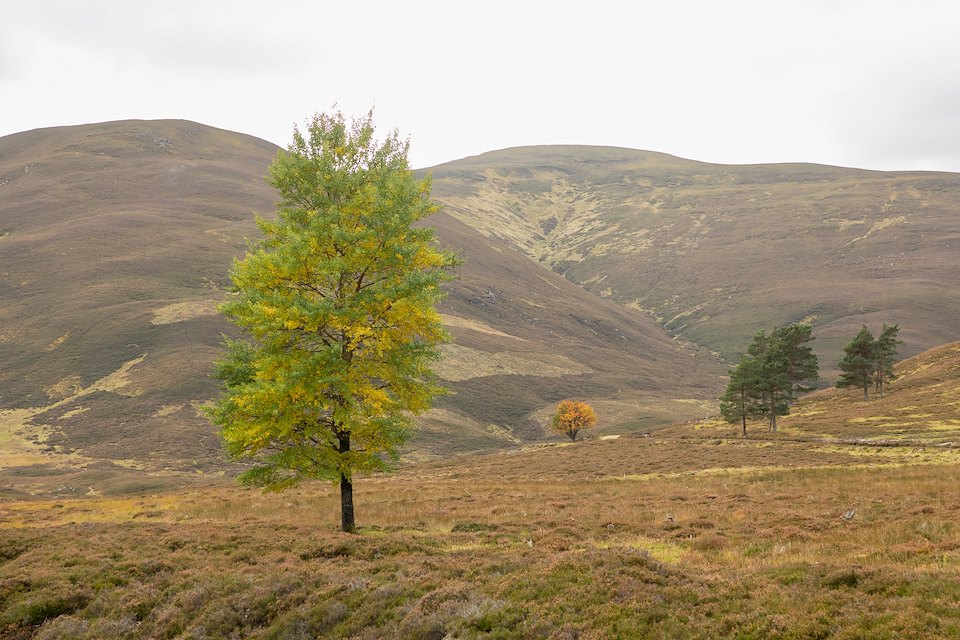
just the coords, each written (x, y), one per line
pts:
(339, 301)
(572, 417)
(885, 350)
(859, 362)
(741, 400)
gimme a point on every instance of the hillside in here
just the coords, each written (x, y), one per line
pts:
(916, 422)
(115, 242)
(716, 252)
(580, 262)
(922, 406)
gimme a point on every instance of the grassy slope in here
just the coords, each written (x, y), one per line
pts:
(922, 408)
(115, 242)
(717, 252)
(688, 533)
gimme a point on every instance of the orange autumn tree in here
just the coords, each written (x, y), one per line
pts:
(573, 416)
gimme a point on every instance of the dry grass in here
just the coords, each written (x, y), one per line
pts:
(182, 311)
(463, 363)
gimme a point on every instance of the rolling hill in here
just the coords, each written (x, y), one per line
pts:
(717, 252)
(115, 242)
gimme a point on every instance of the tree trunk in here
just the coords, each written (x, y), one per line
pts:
(865, 396)
(743, 409)
(347, 522)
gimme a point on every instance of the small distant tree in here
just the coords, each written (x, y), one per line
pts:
(339, 300)
(572, 417)
(885, 350)
(859, 362)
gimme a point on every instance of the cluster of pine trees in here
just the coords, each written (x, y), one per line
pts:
(774, 369)
(869, 360)
(777, 366)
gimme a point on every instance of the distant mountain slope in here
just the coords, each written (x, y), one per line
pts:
(524, 335)
(716, 252)
(115, 242)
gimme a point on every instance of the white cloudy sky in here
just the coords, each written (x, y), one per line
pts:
(867, 83)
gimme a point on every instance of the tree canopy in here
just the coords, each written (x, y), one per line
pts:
(339, 303)
(741, 400)
(572, 417)
(885, 350)
(857, 366)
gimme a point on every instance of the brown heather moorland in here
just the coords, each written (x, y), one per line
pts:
(843, 525)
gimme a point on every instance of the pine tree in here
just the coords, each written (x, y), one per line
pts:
(741, 400)
(339, 300)
(770, 383)
(800, 363)
(859, 362)
(885, 350)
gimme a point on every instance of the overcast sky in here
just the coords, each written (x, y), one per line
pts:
(864, 83)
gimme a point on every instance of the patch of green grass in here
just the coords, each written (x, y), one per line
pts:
(36, 608)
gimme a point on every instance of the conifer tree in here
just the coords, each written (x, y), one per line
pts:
(770, 384)
(885, 350)
(859, 362)
(799, 362)
(339, 301)
(741, 400)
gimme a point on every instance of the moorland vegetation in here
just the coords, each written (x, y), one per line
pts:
(842, 524)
